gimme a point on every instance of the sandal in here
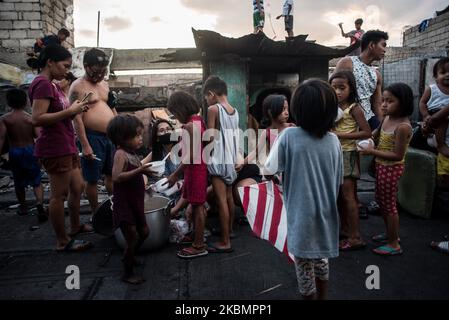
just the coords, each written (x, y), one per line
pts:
(387, 251)
(84, 228)
(213, 248)
(187, 239)
(442, 246)
(192, 252)
(346, 245)
(382, 238)
(76, 246)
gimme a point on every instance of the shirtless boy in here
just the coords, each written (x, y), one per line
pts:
(16, 126)
(91, 126)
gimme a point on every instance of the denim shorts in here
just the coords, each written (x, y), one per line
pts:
(103, 150)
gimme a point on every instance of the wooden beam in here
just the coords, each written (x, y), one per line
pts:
(146, 59)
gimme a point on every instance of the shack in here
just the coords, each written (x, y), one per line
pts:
(254, 65)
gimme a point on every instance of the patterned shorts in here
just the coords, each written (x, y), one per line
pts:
(443, 165)
(387, 180)
(307, 270)
(351, 164)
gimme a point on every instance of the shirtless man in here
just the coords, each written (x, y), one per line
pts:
(91, 126)
(16, 126)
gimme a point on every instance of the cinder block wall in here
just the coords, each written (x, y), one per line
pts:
(23, 21)
(407, 71)
(436, 35)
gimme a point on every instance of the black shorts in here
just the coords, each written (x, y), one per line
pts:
(249, 171)
(288, 23)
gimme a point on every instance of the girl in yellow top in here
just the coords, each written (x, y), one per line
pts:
(394, 137)
(351, 127)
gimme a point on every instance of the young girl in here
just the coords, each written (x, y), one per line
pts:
(310, 158)
(353, 126)
(394, 137)
(128, 212)
(185, 108)
(275, 120)
(223, 117)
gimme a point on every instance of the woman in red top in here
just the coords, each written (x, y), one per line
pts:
(55, 146)
(185, 108)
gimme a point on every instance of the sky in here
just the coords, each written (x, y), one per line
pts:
(167, 23)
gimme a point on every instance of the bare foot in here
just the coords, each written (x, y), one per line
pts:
(133, 279)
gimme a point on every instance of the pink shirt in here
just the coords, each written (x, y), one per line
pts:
(58, 139)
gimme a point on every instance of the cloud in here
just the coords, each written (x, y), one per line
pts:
(319, 19)
(116, 23)
(88, 33)
(156, 19)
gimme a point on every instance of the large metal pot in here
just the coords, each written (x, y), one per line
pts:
(157, 214)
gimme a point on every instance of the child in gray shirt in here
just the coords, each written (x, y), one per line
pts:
(310, 159)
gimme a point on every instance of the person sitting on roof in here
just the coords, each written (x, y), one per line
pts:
(59, 38)
(45, 41)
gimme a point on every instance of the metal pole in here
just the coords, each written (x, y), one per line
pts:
(98, 30)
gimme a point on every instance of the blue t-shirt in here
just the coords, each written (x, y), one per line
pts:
(312, 175)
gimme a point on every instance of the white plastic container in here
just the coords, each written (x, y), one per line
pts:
(158, 167)
(175, 188)
(160, 186)
(363, 144)
(340, 115)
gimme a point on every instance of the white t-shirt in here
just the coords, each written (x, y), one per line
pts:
(285, 7)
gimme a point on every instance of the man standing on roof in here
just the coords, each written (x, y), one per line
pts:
(258, 16)
(287, 13)
(355, 35)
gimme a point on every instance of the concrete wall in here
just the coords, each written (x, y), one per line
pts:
(417, 72)
(23, 21)
(436, 35)
(154, 80)
(407, 71)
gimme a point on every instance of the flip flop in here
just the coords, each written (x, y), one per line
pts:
(76, 246)
(442, 246)
(217, 232)
(191, 253)
(211, 248)
(187, 239)
(382, 238)
(84, 228)
(387, 251)
(345, 245)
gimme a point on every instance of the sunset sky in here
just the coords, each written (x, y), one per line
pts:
(168, 23)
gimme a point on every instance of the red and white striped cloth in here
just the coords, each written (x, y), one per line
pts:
(266, 214)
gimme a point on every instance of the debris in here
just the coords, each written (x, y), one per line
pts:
(270, 289)
(5, 181)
